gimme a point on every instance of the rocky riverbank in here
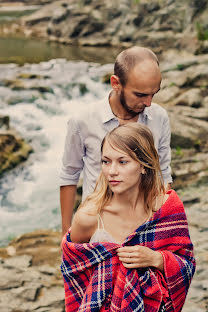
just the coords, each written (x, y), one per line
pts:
(29, 266)
(30, 274)
(160, 24)
(31, 278)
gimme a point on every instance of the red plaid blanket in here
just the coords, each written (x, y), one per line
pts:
(95, 279)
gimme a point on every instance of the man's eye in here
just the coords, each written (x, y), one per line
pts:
(139, 95)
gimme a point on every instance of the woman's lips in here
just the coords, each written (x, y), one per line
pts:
(114, 182)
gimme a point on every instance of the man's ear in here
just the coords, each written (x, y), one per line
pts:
(115, 83)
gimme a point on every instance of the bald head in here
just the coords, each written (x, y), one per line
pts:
(132, 57)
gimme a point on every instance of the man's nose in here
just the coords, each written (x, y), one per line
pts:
(148, 100)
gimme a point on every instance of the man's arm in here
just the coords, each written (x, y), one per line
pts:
(164, 152)
(72, 165)
(67, 200)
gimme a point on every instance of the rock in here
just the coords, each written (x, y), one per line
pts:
(28, 284)
(4, 122)
(21, 262)
(27, 292)
(159, 25)
(167, 94)
(45, 269)
(10, 278)
(13, 150)
(13, 84)
(205, 102)
(192, 98)
(11, 251)
(192, 133)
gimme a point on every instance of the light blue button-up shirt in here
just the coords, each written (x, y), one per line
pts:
(86, 130)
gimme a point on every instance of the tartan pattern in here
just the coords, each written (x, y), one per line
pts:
(95, 279)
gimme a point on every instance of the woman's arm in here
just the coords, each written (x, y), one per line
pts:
(83, 226)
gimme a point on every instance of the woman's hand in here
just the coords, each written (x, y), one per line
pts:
(137, 256)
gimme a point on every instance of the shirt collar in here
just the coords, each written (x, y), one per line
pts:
(107, 114)
(147, 113)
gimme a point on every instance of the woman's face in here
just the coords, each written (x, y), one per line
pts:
(122, 172)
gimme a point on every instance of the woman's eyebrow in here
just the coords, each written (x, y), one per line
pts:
(121, 157)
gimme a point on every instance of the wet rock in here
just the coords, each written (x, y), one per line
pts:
(4, 122)
(30, 98)
(13, 150)
(13, 84)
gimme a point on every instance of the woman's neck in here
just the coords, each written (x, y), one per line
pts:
(129, 201)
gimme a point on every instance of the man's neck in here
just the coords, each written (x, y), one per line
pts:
(118, 110)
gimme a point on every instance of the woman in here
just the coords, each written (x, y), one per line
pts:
(107, 264)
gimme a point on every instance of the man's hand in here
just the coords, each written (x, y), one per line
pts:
(137, 256)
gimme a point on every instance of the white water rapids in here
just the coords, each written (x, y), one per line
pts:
(29, 194)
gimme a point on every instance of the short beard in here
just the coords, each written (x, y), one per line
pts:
(125, 106)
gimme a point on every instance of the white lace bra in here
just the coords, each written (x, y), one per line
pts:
(101, 235)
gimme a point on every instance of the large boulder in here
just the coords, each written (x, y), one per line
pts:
(13, 149)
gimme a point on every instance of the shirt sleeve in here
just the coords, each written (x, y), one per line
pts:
(72, 160)
(164, 151)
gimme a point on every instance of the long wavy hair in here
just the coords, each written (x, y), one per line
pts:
(137, 141)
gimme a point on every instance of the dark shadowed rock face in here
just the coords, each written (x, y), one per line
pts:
(157, 24)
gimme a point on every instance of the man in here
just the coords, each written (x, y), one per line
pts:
(136, 80)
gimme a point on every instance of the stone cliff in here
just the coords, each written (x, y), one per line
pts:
(159, 24)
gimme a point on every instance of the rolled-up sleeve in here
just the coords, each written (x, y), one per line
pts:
(164, 150)
(72, 160)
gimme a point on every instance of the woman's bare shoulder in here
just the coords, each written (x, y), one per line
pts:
(160, 201)
(86, 215)
(84, 224)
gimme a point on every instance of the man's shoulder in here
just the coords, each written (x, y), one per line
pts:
(155, 111)
(158, 108)
(84, 112)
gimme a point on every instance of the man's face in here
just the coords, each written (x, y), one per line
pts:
(139, 90)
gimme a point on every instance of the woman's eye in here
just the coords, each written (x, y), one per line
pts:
(105, 161)
(123, 162)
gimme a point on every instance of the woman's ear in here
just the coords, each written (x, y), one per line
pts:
(143, 170)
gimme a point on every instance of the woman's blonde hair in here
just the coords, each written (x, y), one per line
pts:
(137, 141)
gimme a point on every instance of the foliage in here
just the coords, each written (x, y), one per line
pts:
(181, 66)
(202, 31)
(179, 151)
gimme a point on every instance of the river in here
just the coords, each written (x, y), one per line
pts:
(29, 194)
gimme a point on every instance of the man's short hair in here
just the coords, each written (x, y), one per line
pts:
(129, 58)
